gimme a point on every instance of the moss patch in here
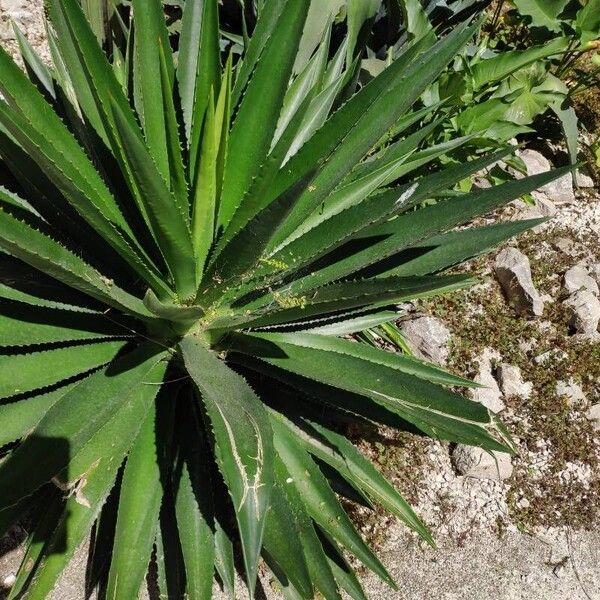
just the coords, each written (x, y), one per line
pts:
(554, 438)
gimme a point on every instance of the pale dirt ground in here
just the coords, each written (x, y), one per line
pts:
(549, 564)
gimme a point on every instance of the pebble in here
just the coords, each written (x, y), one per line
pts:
(585, 317)
(514, 274)
(489, 395)
(593, 414)
(427, 337)
(561, 189)
(471, 461)
(511, 381)
(584, 180)
(571, 391)
(577, 278)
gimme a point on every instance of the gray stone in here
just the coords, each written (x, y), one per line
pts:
(577, 278)
(545, 206)
(489, 395)
(511, 381)
(428, 338)
(571, 391)
(514, 274)
(561, 189)
(594, 272)
(11, 6)
(593, 414)
(542, 207)
(471, 461)
(555, 354)
(584, 180)
(586, 312)
(568, 246)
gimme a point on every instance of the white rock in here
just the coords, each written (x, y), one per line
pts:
(542, 207)
(489, 395)
(428, 338)
(559, 190)
(594, 271)
(586, 312)
(577, 278)
(10, 6)
(554, 354)
(567, 246)
(571, 391)
(584, 180)
(471, 461)
(9, 581)
(514, 274)
(545, 206)
(511, 381)
(593, 414)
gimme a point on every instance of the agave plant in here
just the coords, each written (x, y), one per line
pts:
(187, 248)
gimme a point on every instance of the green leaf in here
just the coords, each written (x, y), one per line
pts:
(21, 373)
(352, 193)
(305, 85)
(263, 32)
(261, 104)
(443, 251)
(386, 239)
(542, 13)
(567, 116)
(43, 253)
(170, 224)
(65, 49)
(79, 417)
(438, 412)
(28, 326)
(243, 443)
(393, 360)
(198, 65)
(177, 181)
(281, 543)
(204, 205)
(362, 121)
(358, 12)
(168, 556)
(290, 307)
(235, 263)
(416, 21)
(224, 559)
(321, 502)
(343, 572)
(503, 64)
(47, 140)
(150, 36)
(53, 507)
(378, 208)
(171, 311)
(97, 13)
(21, 283)
(316, 561)
(36, 68)
(208, 178)
(103, 457)
(124, 137)
(335, 450)
(587, 22)
(19, 418)
(348, 325)
(139, 502)
(194, 506)
(320, 15)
